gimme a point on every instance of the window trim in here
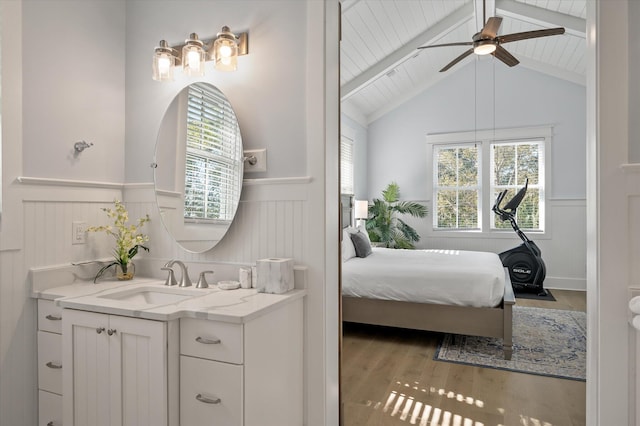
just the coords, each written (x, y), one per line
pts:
(484, 138)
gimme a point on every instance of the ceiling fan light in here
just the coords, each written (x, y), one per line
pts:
(484, 47)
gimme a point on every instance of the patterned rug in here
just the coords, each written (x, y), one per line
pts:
(546, 342)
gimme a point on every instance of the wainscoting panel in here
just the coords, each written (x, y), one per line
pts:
(18, 381)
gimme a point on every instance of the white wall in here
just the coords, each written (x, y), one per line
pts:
(397, 152)
(397, 146)
(75, 92)
(267, 91)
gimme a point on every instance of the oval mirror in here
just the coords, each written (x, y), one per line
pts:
(199, 166)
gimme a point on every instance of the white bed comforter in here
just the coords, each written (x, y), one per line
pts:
(450, 277)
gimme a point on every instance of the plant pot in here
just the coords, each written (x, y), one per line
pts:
(125, 272)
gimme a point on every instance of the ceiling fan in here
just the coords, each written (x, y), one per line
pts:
(487, 41)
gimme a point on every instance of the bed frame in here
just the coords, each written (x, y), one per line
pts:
(487, 322)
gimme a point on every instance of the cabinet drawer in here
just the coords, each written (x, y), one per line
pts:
(49, 316)
(210, 393)
(211, 340)
(49, 409)
(50, 362)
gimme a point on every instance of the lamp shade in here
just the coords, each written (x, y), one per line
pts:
(361, 209)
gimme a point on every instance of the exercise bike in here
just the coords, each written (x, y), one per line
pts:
(526, 267)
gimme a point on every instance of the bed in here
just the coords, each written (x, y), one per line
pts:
(450, 291)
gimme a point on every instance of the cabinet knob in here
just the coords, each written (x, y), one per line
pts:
(53, 317)
(206, 400)
(111, 331)
(53, 365)
(50, 423)
(99, 330)
(205, 341)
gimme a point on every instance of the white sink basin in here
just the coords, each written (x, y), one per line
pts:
(153, 295)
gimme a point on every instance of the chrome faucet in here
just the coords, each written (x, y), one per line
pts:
(184, 280)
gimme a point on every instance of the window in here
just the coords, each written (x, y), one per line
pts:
(457, 189)
(213, 159)
(470, 169)
(513, 165)
(346, 165)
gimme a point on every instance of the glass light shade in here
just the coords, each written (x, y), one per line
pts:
(163, 62)
(484, 47)
(163, 67)
(193, 57)
(225, 51)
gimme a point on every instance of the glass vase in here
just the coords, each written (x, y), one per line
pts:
(125, 272)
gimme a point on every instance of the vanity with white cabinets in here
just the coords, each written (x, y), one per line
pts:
(212, 357)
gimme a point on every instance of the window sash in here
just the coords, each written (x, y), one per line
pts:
(213, 173)
(451, 188)
(529, 219)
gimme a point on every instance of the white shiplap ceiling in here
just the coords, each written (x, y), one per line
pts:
(381, 66)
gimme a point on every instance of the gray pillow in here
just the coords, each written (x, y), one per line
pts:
(361, 244)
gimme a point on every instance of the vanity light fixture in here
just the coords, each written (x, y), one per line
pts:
(223, 50)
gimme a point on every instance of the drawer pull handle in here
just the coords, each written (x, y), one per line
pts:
(53, 365)
(53, 318)
(207, 341)
(99, 330)
(206, 400)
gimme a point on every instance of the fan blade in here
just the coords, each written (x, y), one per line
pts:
(490, 29)
(462, 43)
(456, 60)
(508, 38)
(506, 57)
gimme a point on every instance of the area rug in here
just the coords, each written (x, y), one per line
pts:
(546, 342)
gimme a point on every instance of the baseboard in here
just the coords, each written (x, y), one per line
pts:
(561, 283)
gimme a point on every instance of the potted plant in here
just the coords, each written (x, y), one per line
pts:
(383, 225)
(128, 240)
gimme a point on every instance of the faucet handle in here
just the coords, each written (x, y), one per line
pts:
(171, 279)
(202, 281)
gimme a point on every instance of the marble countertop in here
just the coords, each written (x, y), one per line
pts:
(235, 306)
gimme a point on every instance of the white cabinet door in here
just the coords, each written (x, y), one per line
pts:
(85, 379)
(137, 355)
(117, 370)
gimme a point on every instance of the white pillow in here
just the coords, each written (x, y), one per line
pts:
(348, 250)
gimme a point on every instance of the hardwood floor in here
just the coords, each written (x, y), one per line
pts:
(389, 377)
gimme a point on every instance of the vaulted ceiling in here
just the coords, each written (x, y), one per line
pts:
(382, 67)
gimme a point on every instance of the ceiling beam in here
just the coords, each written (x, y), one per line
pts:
(408, 50)
(553, 71)
(543, 17)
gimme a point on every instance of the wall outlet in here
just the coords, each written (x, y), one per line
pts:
(260, 160)
(78, 233)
